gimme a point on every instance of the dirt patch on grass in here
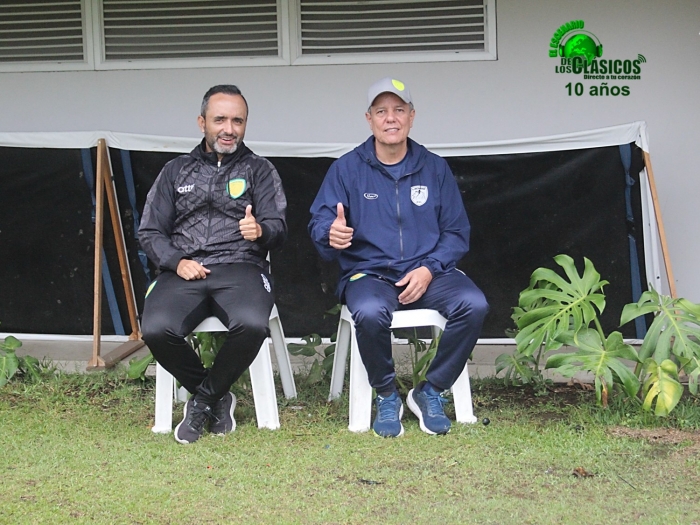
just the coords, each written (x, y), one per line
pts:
(664, 436)
(668, 441)
(496, 395)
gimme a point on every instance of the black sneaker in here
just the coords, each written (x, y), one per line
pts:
(222, 421)
(191, 428)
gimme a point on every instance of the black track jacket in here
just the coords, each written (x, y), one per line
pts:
(193, 208)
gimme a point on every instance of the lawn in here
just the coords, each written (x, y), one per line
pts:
(78, 449)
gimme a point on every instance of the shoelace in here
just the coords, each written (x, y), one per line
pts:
(436, 403)
(387, 408)
(198, 416)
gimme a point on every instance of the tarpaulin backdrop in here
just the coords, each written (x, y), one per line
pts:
(528, 200)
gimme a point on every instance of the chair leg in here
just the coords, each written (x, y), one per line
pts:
(360, 390)
(283, 364)
(462, 394)
(164, 401)
(264, 395)
(340, 358)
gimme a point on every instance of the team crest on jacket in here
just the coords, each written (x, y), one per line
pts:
(236, 187)
(419, 195)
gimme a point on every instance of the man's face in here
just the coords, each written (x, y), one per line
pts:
(224, 123)
(390, 119)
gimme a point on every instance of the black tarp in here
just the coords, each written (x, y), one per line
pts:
(524, 208)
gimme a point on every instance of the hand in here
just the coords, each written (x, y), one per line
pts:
(340, 235)
(190, 270)
(416, 282)
(250, 229)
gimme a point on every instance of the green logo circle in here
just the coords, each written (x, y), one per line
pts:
(581, 45)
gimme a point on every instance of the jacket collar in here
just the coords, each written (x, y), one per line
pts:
(211, 157)
(415, 155)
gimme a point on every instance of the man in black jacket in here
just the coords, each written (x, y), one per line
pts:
(208, 223)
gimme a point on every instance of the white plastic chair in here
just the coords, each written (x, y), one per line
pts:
(261, 378)
(360, 389)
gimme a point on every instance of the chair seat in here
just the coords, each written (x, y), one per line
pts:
(360, 389)
(261, 378)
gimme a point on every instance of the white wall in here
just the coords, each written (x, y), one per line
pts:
(519, 95)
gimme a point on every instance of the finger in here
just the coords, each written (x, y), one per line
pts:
(409, 296)
(249, 212)
(341, 212)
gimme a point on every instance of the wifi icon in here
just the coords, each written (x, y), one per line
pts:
(641, 59)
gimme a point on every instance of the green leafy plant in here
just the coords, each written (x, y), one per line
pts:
(553, 312)
(323, 364)
(421, 356)
(12, 365)
(672, 342)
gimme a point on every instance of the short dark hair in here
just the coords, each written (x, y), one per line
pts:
(226, 89)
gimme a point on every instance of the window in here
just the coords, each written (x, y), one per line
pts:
(395, 30)
(139, 29)
(36, 32)
(146, 34)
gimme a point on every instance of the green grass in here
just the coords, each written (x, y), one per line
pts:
(78, 449)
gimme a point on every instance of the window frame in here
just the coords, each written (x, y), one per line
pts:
(289, 43)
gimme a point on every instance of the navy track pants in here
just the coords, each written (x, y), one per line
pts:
(372, 301)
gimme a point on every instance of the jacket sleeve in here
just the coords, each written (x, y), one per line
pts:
(324, 211)
(453, 243)
(157, 224)
(270, 207)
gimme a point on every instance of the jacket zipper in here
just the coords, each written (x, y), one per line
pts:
(211, 207)
(398, 216)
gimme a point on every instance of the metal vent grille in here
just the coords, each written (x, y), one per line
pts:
(41, 31)
(168, 29)
(390, 26)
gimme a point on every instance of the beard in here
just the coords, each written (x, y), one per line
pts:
(212, 142)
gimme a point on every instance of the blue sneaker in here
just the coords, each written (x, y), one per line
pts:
(387, 423)
(427, 404)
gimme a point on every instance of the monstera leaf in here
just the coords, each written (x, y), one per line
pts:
(675, 330)
(662, 384)
(692, 368)
(551, 306)
(600, 358)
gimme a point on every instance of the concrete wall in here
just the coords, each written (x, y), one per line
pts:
(519, 95)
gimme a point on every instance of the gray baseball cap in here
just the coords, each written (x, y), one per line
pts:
(388, 85)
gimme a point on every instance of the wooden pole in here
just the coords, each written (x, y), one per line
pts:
(135, 342)
(105, 183)
(660, 225)
(96, 361)
(119, 239)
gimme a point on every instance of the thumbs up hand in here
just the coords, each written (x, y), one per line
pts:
(250, 229)
(340, 234)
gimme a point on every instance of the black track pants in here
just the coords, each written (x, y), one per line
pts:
(239, 294)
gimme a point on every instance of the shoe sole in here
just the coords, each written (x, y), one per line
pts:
(397, 435)
(233, 405)
(413, 406)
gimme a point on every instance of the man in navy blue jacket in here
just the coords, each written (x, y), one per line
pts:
(390, 212)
